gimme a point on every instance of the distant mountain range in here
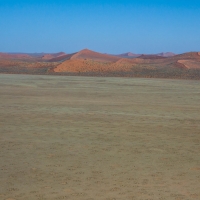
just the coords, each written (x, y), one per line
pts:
(133, 55)
(88, 62)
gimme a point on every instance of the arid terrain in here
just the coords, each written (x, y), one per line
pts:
(90, 63)
(99, 138)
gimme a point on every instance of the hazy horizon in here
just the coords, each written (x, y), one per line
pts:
(114, 27)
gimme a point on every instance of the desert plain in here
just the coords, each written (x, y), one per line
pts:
(99, 138)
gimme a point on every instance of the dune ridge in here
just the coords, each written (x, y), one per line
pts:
(88, 54)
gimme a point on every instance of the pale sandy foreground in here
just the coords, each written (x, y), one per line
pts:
(99, 138)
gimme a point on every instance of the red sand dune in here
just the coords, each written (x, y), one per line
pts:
(14, 56)
(79, 65)
(187, 56)
(128, 61)
(52, 56)
(31, 56)
(89, 65)
(90, 61)
(61, 58)
(47, 57)
(190, 64)
(88, 54)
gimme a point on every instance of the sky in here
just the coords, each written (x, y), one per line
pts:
(106, 26)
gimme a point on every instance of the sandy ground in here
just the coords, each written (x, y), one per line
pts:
(99, 138)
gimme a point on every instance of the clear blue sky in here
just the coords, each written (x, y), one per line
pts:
(105, 26)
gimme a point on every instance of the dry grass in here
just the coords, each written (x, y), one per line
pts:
(99, 138)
